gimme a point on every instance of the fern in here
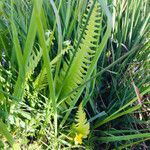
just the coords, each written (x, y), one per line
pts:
(33, 62)
(41, 81)
(36, 55)
(83, 57)
(81, 127)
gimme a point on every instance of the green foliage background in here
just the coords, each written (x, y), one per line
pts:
(55, 55)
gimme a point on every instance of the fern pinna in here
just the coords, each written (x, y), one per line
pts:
(80, 67)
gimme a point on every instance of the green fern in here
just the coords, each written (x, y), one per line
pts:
(41, 80)
(81, 126)
(35, 57)
(83, 56)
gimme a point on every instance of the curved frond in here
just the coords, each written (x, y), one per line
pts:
(83, 56)
(82, 126)
(41, 80)
(33, 62)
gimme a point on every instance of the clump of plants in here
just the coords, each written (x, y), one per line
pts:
(74, 74)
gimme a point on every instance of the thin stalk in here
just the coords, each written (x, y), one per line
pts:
(59, 36)
(46, 61)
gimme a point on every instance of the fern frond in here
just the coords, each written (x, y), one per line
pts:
(81, 126)
(33, 61)
(83, 56)
(41, 80)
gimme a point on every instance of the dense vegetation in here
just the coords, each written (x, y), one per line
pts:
(74, 74)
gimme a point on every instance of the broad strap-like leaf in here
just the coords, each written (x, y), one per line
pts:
(5, 133)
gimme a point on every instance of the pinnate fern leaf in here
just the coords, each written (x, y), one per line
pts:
(81, 126)
(83, 56)
(35, 57)
(41, 80)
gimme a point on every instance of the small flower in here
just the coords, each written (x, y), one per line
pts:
(78, 139)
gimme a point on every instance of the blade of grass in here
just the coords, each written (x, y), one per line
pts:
(30, 39)
(17, 90)
(59, 37)
(4, 132)
(130, 110)
(133, 144)
(46, 61)
(16, 40)
(124, 137)
(118, 113)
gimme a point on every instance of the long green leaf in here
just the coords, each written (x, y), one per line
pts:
(118, 113)
(46, 60)
(124, 137)
(5, 132)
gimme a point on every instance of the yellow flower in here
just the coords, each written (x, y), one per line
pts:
(78, 139)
